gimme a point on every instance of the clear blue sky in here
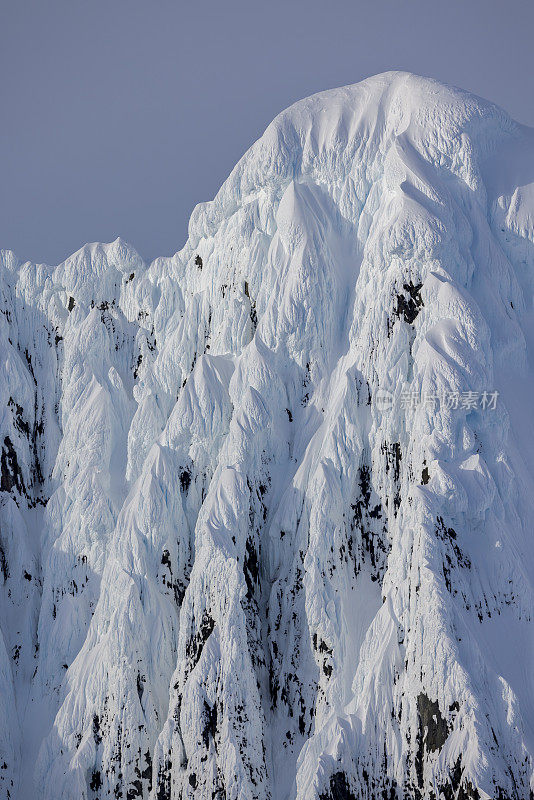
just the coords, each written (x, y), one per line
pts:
(118, 116)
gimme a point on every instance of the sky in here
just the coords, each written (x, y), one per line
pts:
(118, 116)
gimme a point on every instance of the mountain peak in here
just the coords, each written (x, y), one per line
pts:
(273, 494)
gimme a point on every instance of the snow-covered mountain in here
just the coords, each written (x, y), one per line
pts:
(266, 528)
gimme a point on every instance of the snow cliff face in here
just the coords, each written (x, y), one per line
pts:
(251, 545)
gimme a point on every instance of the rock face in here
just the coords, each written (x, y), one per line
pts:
(265, 528)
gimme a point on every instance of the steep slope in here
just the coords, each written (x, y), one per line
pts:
(276, 520)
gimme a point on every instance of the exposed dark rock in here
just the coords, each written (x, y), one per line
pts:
(96, 780)
(210, 723)
(11, 476)
(185, 480)
(339, 788)
(410, 305)
(196, 644)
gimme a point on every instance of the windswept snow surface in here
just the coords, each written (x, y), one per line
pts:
(236, 562)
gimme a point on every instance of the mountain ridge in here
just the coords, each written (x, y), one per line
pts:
(249, 578)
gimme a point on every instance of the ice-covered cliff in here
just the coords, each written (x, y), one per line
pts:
(266, 528)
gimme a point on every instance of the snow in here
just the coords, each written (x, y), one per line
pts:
(249, 578)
